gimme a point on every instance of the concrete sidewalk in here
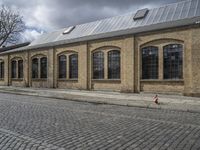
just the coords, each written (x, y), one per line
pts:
(172, 102)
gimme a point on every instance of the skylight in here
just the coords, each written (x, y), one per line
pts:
(140, 14)
(69, 30)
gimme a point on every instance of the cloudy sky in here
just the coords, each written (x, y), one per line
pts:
(47, 15)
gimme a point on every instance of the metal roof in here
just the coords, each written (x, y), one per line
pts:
(8, 48)
(172, 15)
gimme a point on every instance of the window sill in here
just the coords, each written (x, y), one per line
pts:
(107, 80)
(1, 79)
(67, 80)
(39, 79)
(17, 79)
(167, 80)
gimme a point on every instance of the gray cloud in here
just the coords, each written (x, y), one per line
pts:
(69, 12)
(50, 15)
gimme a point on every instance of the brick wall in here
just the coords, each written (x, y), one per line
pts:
(130, 49)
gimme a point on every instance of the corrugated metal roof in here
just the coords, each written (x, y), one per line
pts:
(172, 15)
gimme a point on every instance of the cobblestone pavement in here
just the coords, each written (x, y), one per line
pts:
(35, 123)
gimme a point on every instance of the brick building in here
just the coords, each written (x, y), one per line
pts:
(152, 50)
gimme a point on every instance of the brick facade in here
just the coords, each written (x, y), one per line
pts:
(130, 49)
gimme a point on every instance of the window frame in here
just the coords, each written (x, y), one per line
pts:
(14, 69)
(73, 73)
(102, 76)
(2, 70)
(67, 55)
(156, 69)
(39, 67)
(17, 69)
(43, 74)
(180, 70)
(20, 69)
(160, 43)
(36, 74)
(109, 63)
(60, 75)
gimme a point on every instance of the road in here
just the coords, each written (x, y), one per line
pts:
(36, 123)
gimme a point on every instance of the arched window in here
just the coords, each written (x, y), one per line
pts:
(17, 69)
(62, 66)
(114, 64)
(43, 67)
(35, 68)
(73, 66)
(150, 62)
(1, 70)
(20, 69)
(173, 61)
(14, 69)
(98, 65)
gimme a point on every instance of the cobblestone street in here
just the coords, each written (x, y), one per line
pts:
(36, 123)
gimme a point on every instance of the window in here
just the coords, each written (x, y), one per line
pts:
(98, 65)
(73, 66)
(43, 67)
(39, 68)
(173, 61)
(62, 66)
(140, 14)
(150, 62)
(35, 68)
(68, 66)
(20, 69)
(69, 30)
(114, 64)
(1, 70)
(108, 67)
(14, 68)
(17, 69)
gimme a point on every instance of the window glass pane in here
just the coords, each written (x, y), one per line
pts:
(2, 70)
(150, 63)
(43, 69)
(73, 66)
(173, 61)
(35, 68)
(13, 67)
(98, 65)
(20, 69)
(62, 66)
(114, 64)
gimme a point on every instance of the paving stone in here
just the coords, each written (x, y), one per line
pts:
(36, 123)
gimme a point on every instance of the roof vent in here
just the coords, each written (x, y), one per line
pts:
(69, 30)
(140, 14)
